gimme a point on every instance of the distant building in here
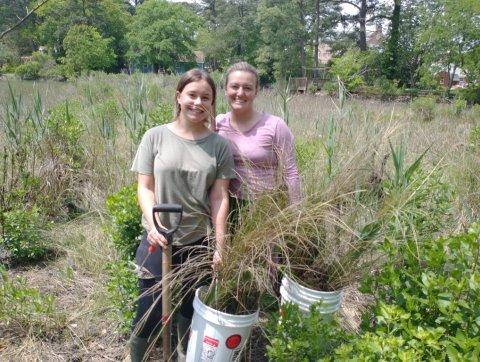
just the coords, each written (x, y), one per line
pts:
(459, 79)
(324, 53)
(185, 64)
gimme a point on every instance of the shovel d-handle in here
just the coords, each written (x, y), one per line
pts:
(170, 209)
(166, 272)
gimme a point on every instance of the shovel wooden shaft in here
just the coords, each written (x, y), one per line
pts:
(166, 302)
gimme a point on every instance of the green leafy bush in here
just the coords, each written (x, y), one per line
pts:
(294, 336)
(124, 228)
(23, 235)
(26, 308)
(64, 131)
(474, 137)
(123, 291)
(28, 71)
(349, 68)
(424, 108)
(85, 49)
(428, 303)
(331, 88)
(161, 114)
(459, 105)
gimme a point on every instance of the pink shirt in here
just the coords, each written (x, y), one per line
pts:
(264, 157)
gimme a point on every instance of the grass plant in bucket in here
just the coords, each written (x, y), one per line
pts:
(226, 311)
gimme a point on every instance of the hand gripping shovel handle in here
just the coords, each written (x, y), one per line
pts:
(166, 269)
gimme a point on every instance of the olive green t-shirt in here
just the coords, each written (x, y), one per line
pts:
(184, 171)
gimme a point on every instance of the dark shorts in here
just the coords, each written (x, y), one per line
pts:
(180, 254)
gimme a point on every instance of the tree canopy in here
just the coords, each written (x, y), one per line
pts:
(406, 42)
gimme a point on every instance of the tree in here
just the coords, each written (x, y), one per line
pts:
(85, 49)
(450, 35)
(282, 34)
(231, 33)
(161, 34)
(369, 11)
(109, 17)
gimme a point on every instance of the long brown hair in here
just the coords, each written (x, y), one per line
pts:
(196, 75)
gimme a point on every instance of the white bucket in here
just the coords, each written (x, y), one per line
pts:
(304, 297)
(216, 336)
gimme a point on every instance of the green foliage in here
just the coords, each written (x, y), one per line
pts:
(64, 130)
(474, 138)
(161, 34)
(24, 307)
(306, 152)
(28, 71)
(109, 17)
(282, 36)
(424, 108)
(420, 207)
(458, 106)
(428, 302)
(161, 114)
(294, 336)
(23, 235)
(85, 49)
(349, 68)
(123, 291)
(124, 229)
(471, 94)
(331, 88)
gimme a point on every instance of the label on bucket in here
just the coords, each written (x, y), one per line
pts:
(209, 349)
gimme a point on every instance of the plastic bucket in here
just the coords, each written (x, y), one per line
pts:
(217, 336)
(304, 297)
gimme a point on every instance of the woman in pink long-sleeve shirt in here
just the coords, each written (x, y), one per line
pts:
(262, 144)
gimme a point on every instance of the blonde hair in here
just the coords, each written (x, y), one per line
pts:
(242, 67)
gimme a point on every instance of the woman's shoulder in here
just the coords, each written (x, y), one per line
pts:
(222, 119)
(156, 131)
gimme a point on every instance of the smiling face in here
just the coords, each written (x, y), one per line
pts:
(241, 90)
(196, 101)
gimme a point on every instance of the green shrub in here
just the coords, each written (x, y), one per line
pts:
(124, 228)
(294, 336)
(424, 107)
(474, 137)
(23, 235)
(307, 153)
(86, 50)
(331, 88)
(471, 94)
(428, 303)
(459, 105)
(28, 71)
(64, 131)
(349, 68)
(161, 114)
(26, 308)
(123, 291)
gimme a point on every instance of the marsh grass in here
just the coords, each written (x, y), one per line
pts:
(347, 191)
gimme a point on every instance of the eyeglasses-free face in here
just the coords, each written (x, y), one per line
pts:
(196, 102)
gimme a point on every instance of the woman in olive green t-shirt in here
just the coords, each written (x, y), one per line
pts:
(183, 162)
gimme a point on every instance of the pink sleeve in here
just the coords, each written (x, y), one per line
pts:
(284, 146)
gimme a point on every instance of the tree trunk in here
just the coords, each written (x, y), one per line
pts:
(362, 20)
(317, 31)
(301, 13)
(392, 46)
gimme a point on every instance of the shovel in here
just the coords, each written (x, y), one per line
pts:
(166, 269)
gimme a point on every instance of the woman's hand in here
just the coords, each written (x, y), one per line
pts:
(157, 239)
(217, 260)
